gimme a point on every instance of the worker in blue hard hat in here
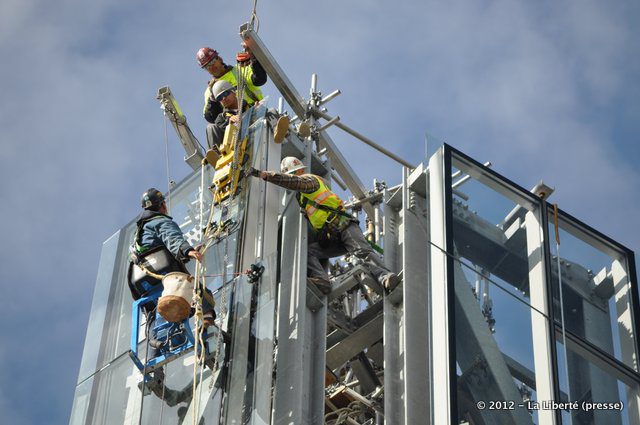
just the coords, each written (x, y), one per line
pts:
(160, 247)
(335, 231)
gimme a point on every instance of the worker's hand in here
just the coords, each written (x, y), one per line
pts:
(254, 172)
(247, 49)
(195, 254)
(233, 119)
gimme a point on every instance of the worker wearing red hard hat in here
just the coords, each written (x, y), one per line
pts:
(251, 72)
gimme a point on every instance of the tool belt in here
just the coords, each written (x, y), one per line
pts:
(331, 233)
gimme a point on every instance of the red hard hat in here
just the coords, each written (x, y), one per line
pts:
(205, 55)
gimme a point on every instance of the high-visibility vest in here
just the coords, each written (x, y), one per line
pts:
(323, 196)
(252, 93)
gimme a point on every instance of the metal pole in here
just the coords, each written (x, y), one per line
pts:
(330, 96)
(365, 139)
(329, 123)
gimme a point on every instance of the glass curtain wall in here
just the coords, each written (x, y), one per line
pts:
(595, 319)
(109, 384)
(521, 298)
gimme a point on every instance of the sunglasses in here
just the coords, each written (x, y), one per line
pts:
(224, 94)
(213, 59)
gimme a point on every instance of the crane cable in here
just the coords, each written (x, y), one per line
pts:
(254, 17)
(166, 155)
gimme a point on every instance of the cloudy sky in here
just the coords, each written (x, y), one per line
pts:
(545, 90)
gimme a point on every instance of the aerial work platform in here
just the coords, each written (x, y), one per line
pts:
(507, 305)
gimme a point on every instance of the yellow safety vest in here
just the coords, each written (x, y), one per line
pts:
(251, 93)
(323, 196)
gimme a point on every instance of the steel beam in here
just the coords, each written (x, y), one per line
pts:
(179, 121)
(299, 106)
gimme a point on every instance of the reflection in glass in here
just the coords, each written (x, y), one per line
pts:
(495, 231)
(584, 382)
(595, 292)
(110, 385)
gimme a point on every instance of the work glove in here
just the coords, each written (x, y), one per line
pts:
(252, 172)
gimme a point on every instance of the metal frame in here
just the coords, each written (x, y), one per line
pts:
(297, 103)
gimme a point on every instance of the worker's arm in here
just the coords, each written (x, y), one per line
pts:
(173, 239)
(211, 109)
(305, 183)
(216, 130)
(258, 75)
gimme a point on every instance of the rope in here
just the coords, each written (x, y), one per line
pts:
(484, 276)
(564, 334)
(198, 316)
(344, 414)
(166, 155)
(254, 16)
(150, 273)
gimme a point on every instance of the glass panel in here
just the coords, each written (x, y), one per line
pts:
(81, 401)
(596, 292)
(500, 322)
(99, 307)
(112, 394)
(585, 384)
(489, 227)
(264, 324)
(494, 352)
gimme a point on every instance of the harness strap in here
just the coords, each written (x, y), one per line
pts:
(304, 201)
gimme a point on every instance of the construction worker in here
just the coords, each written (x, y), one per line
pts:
(160, 247)
(225, 93)
(336, 232)
(252, 75)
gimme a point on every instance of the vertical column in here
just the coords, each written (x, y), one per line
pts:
(415, 320)
(441, 312)
(626, 330)
(541, 327)
(267, 254)
(299, 386)
(394, 371)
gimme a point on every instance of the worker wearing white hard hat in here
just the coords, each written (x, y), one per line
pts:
(335, 231)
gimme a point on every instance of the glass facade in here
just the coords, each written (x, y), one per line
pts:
(526, 281)
(531, 316)
(110, 386)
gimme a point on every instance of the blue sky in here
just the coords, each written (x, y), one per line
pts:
(545, 90)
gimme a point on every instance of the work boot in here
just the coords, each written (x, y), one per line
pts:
(304, 130)
(212, 157)
(282, 127)
(321, 283)
(389, 281)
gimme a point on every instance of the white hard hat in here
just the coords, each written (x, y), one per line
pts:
(291, 164)
(220, 87)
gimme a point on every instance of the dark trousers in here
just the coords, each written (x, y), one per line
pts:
(351, 241)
